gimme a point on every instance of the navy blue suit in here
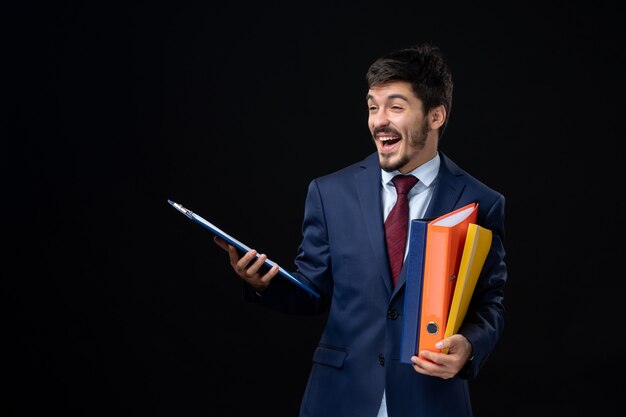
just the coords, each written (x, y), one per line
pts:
(343, 256)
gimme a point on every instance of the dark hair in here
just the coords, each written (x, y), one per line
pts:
(424, 67)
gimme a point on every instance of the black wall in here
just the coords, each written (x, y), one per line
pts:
(118, 304)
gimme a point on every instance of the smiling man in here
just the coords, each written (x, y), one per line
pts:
(405, 136)
(347, 257)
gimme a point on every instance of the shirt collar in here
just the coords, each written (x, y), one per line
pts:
(425, 173)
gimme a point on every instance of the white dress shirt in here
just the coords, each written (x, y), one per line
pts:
(419, 198)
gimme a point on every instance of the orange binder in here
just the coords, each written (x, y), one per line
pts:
(445, 239)
(476, 248)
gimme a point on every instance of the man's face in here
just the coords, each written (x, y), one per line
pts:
(399, 127)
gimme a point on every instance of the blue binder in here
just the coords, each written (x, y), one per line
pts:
(240, 246)
(413, 290)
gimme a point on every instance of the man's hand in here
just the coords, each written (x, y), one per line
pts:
(247, 267)
(444, 365)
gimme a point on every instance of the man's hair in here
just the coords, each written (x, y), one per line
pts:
(423, 66)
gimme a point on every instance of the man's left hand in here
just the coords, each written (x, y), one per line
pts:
(444, 365)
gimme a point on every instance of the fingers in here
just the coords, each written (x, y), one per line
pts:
(456, 344)
(249, 269)
(239, 264)
(221, 243)
(430, 360)
(433, 364)
(456, 350)
(267, 278)
(248, 266)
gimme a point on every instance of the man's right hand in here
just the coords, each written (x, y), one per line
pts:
(247, 268)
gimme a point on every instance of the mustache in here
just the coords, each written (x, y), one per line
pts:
(386, 130)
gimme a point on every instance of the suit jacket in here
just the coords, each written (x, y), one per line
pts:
(343, 256)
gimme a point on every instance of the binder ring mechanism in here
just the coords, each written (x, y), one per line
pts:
(432, 327)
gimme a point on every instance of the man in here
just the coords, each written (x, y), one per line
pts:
(356, 370)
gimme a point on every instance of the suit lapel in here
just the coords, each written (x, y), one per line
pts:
(448, 190)
(368, 183)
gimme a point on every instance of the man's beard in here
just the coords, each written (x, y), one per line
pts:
(416, 140)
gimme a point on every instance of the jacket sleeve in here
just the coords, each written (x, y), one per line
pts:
(484, 321)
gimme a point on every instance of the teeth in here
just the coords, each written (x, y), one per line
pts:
(385, 138)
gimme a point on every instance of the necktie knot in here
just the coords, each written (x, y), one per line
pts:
(404, 183)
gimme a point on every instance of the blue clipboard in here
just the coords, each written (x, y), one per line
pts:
(240, 246)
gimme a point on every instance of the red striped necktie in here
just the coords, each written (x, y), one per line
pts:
(397, 224)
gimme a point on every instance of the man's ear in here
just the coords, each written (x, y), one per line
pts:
(437, 116)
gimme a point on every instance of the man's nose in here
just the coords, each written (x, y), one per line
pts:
(379, 119)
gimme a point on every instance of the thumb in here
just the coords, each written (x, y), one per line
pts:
(444, 345)
(220, 242)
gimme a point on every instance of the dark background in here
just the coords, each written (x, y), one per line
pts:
(117, 304)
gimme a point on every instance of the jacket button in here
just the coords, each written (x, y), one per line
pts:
(381, 360)
(392, 314)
